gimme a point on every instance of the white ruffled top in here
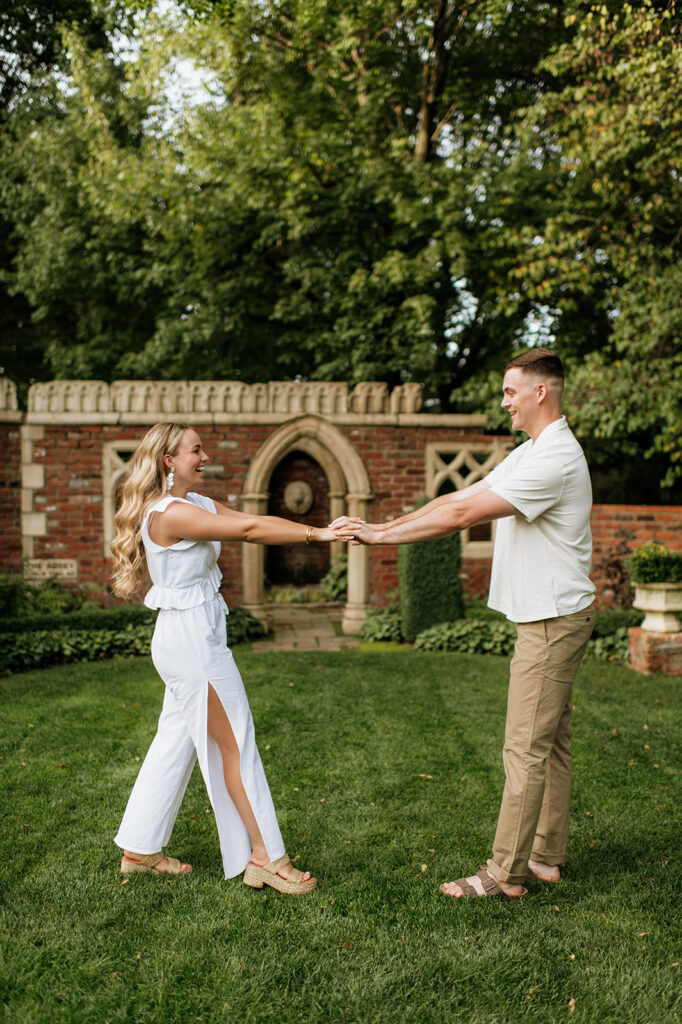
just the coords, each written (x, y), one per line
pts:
(186, 574)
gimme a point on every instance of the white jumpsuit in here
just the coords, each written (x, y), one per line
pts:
(189, 651)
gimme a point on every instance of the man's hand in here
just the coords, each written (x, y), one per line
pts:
(437, 519)
(353, 530)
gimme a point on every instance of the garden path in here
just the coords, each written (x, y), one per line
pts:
(304, 628)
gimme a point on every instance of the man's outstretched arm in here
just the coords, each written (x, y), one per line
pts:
(437, 519)
(444, 499)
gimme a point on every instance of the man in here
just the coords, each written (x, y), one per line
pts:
(542, 496)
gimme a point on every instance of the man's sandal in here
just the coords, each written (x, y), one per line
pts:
(489, 884)
(258, 875)
(147, 865)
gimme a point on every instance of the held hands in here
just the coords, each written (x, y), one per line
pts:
(353, 530)
(342, 529)
(348, 530)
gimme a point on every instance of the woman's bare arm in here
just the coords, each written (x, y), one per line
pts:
(182, 521)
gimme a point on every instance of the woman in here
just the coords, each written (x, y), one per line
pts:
(205, 712)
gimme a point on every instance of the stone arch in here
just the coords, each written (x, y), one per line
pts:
(349, 492)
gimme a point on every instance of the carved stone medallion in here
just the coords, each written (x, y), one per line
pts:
(298, 497)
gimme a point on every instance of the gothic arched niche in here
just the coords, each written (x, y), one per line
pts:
(298, 490)
(349, 492)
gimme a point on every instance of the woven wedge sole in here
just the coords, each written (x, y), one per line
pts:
(256, 877)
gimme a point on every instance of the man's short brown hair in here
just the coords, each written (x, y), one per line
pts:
(540, 361)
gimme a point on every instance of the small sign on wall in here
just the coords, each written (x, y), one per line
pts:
(46, 568)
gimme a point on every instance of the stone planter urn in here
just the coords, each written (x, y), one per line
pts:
(662, 603)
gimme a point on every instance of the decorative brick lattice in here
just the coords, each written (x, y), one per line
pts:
(454, 467)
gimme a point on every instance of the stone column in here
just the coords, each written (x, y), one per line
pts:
(337, 507)
(355, 612)
(253, 561)
(33, 522)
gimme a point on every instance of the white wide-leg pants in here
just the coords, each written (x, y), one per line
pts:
(189, 651)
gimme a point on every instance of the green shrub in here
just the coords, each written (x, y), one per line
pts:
(42, 648)
(486, 636)
(469, 636)
(335, 583)
(430, 587)
(477, 608)
(609, 620)
(18, 597)
(52, 596)
(291, 594)
(653, 563)
(61, 644)
(13, 597)
(242, 627)
(611, 647)
(99, 618)
(382, 624)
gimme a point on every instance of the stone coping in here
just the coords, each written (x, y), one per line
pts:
(452, 420)
(90, 402)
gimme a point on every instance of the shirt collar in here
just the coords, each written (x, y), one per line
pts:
(548, 433)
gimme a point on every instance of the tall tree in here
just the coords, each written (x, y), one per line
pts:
(613, 234)
(30, 48)
(366, 191)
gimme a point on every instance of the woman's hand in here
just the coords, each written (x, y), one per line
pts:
(354, 530)
(323, 535)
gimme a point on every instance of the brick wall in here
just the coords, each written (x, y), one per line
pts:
(395, 462)
(618, 529)
(72, 496)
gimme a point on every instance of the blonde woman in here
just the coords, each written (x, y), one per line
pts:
(165, 521)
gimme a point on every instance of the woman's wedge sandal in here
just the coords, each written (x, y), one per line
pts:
(147, 865)
(257, 875)
(490, 888)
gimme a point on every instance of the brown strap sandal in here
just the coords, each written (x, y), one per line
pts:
(147, 865)
(491, 887)
(257, 875)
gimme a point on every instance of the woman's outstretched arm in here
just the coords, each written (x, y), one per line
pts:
(181, 521)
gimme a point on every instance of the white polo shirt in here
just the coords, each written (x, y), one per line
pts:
(542, 556)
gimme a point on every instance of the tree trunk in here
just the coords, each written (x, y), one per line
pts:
(433, 80)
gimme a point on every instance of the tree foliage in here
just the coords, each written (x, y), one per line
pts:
(618, 128)
(363, 191)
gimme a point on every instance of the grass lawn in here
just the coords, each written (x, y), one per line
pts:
(386, 772)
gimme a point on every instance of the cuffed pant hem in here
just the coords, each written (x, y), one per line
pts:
(505, 876)
(552, 860)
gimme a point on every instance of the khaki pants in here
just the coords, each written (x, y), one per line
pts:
(533, 818)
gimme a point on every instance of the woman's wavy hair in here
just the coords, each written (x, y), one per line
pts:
(143, 484)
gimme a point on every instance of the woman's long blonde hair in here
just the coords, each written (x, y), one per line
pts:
(144, 483)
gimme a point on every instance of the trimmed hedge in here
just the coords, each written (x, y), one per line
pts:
(430, 587)
(61, 644)
(42, 648)
(99, 618)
